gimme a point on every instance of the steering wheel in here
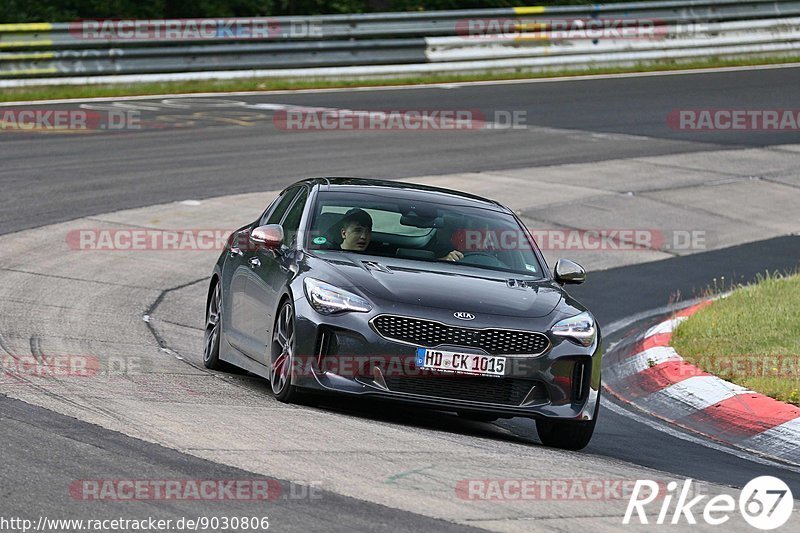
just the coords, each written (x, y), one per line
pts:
(483, 258)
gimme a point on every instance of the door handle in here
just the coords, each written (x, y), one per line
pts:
(255, 262)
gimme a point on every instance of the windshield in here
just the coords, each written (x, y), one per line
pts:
(421, 230)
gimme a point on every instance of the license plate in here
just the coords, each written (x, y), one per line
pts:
(483, 365)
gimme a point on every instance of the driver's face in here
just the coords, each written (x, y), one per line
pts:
(356, 237)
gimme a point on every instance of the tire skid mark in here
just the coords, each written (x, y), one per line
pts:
(47, 392)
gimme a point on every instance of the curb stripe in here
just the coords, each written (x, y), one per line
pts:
(693, 309)
(635, 349)
(780, 441)
(653, 341)
(634, 365)
(668, 326)
(690, 395)
(651, 375)
(742, 416)
(660, 377)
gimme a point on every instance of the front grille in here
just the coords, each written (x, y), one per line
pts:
(499, 391)
(429, 334)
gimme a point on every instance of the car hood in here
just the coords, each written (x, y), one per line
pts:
(445, 286)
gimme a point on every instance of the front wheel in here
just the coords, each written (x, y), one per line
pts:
(282, 356)
(567, 435)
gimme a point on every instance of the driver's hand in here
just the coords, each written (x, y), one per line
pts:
(455, 255)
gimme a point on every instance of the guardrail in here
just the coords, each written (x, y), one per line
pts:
(382, 44)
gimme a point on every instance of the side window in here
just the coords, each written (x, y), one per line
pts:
(292, 221)
(280, 208)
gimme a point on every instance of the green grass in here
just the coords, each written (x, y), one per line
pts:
(255, 84)
(751, 338)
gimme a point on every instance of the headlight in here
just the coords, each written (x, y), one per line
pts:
(327, 299)
(579, 328)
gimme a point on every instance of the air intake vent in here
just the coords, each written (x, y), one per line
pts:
(580, 384)
(429, 333)
(477, 389)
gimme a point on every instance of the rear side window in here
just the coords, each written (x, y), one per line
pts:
(292, 222)
(280, 209)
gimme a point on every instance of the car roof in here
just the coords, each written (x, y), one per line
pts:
(348, 184)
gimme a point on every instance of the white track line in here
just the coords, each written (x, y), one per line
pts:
(622, 411)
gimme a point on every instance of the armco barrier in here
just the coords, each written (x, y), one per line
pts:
(383, 44)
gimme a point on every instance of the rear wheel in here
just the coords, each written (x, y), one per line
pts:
(213, 330)
(567, 435)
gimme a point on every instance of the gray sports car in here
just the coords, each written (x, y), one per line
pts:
(406, 293)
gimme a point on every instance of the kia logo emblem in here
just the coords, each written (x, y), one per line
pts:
(461, 315)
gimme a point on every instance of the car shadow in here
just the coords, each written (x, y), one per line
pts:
(518, 430)
(418, 417)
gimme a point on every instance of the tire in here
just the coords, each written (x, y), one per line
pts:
(477, 417)
(282, 353)
(567, 435)
(213, 332)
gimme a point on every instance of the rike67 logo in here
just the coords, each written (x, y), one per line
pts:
(765, 503)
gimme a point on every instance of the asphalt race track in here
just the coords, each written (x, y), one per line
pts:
(574, 122)
(229, 145)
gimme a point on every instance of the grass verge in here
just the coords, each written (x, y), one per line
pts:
(255, 84)
(751, 338)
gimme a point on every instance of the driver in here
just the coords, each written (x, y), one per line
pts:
(454, 255)
(444, 240)
(356, 230)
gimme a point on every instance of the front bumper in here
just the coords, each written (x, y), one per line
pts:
(342, 354)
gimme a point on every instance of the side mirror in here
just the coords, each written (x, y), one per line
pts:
(269, 237)
(567, 271)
